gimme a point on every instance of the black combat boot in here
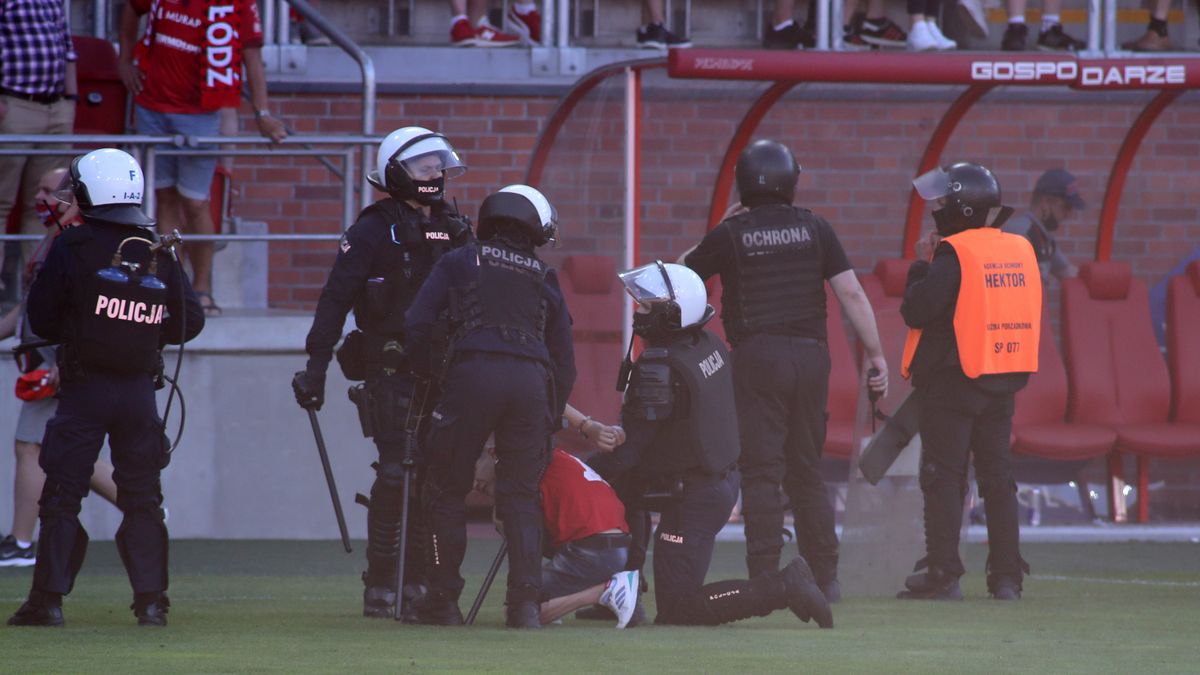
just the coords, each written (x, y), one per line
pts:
(437, 608)
(41, 609)
(151, 608)
(832, 591)
(1005, 588)
(932, 584)
(804, 597)
(379, 602)
(522, 614)
(762, 564)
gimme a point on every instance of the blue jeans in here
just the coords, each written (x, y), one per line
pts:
(575, 568)
(190, 176)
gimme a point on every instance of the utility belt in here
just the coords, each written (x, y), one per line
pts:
(72, 369)
(605, 541)
(363, 354)
(794, 339)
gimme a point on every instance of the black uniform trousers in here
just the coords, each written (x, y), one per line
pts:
(509, 396)
(121, 406)
(397, 402)
(781, 387)
(958, 418)
(683, 546)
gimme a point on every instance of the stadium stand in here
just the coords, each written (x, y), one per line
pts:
(1117, 375)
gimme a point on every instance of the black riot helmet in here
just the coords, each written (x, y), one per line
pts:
(520, 213)
(766, 174)
(968, 193)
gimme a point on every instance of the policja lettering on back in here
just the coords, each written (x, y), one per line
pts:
(119, 308)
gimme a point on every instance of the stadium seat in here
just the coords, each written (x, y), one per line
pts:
(1117, 375)
(1183, 350)
(101, 108)
(595, 300)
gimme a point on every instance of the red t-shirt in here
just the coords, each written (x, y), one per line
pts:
(191, 53)
(577, 502)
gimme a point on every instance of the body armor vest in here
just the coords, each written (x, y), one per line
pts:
(510, 294)
(409, 248)
(778, 272)
(117, 325)
(704, 437)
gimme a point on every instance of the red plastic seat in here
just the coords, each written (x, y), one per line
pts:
(1117, 374)
(1183, 349)
(595, 300)
(1039, 428)
(101, 107)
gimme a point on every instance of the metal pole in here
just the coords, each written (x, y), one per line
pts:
(564, 27)
(631, 180)
(822, 25)
(487, 583)
(99, 19)
(347, 188)
(1110, 26)
(282, 36)
(1094, 12)
(268, 19)
(149, 202)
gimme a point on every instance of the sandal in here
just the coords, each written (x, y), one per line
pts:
(210, 306)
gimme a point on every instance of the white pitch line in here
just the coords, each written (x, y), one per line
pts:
(1118, 582)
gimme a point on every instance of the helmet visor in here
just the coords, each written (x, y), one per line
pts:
(647, 284)
(933, 184)
(65, 192)
(427, 156)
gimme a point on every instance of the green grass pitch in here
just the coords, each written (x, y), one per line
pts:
(294, 607)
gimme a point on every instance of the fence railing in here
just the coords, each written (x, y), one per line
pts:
(146, 148)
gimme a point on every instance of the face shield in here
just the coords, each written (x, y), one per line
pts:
(648, 284)
(934, 184)
(65, 192)
(425, 157)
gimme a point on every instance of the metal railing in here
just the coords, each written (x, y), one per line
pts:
(146, 148)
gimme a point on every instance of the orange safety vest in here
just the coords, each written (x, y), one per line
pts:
(998, 316)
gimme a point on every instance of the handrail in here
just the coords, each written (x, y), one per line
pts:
(365, 65)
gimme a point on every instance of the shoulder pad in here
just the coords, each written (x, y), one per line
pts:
(650, 395)
(77, 235)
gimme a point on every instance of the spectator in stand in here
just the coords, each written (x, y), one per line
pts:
(654, 34)
(40, 381)
(184, 69)
(37, 96)
(470, 27)
(1055, 198)
(1051, 38)
(1155, 38)
(924, 34)
(871, 29)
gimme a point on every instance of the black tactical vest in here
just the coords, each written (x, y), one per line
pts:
(407, 248)
(704, 437)
(117, 325)
(777, 276)
(510, 294)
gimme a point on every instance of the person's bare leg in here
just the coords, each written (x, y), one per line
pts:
(28, 480)
(784, 10)
(556, 608)
(1016, 8)
(476, 10)
(200, 254)
(875, 8)
(652, 12)
(102, 481)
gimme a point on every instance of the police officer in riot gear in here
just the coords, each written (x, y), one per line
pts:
(511, 371)
(383, 259)
(682, 446)
(974, 313)
(774, 259)
(112, 297)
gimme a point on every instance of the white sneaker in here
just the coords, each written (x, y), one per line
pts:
(943, 43)
(920, 39)
(621, 596)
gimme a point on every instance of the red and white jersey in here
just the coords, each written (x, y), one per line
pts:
(191, 53)
(577, 502)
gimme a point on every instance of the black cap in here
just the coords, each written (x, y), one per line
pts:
(1060, 183)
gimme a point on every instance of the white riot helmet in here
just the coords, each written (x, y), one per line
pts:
(108, 185)
(521, 204)
(673, 297)
(413, 163)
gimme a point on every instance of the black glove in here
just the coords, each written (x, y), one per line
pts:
(458, 227)
(309, 387)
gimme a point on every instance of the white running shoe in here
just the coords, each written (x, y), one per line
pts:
(621, 596)
(943, 43)
(920, 39)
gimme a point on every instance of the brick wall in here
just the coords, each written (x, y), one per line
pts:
(858, 154)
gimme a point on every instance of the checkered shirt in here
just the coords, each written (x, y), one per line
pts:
(35, 46)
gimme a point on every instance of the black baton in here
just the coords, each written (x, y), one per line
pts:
(333, 493)
(487, 582)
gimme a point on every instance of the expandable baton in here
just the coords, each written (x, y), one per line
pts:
(333, 493)
(487, 582)
(412, 425)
